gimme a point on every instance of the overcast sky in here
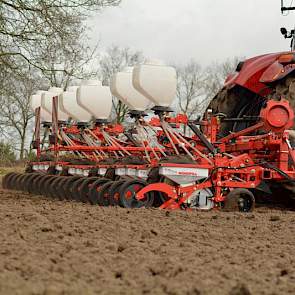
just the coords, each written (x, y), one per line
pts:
(205, 30)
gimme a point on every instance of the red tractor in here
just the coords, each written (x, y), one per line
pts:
(256, 80)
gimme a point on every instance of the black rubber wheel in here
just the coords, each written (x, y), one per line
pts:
(6, 178)
(10, 180)
(51, 187)
(128, 192)
(23, 181)
(13, 181)
(103, 194)
(36, 182)
(68, 186)
(95, 189)
(60, 188)
(239, 199)
(45, 188)
(29, 180)
(55, 187)
(114, 194)
(85, 188)
(76, 189)
(20, 181)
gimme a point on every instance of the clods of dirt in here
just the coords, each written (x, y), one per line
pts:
(53, 247)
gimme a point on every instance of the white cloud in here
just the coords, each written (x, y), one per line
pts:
(206, 30)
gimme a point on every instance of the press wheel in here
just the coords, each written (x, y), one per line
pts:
(128, 192)
(95, 189)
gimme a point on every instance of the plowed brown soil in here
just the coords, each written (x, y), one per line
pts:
(54, 247)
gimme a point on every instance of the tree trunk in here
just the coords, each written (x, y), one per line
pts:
(22, 145)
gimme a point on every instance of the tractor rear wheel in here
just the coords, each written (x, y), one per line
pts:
(235, 103)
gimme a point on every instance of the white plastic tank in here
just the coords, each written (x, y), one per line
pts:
(156, 81)
(46, 102)
(68, 104)
(35, 102)
(95, 98)
(122, 87)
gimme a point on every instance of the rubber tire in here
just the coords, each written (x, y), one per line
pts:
(114, 195)
(94, 190)
(35, 188)
(51, 188)
(29, 181)
(60, 189)
(131, 201)
(55, 187)
(85, 188)
(14, 181)
(23, 181)
(45, 188)
(5, 179)
(76, 189)
(103, 195)
(67, 186)
(232, 201)
(20, 182)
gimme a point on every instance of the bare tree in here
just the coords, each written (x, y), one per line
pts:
(15, 109)
(41, 43)
(115, 59)
(196, 86)
(62, 63)
(26, 25)
(190, 88)
(216, 74)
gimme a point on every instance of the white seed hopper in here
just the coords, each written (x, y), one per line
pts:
(122, 88)
(35, 102)
(68, 104)
(95, 98)
(46, 102)
(156, 81)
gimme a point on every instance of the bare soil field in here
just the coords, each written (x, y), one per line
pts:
(54, 247)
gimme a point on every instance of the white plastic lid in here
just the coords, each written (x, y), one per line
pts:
(68, 104)
(35, 102)
(91, 82)
(156, 81)
(57, 90)
(96, 99)
(122, 88)
(46, 103)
